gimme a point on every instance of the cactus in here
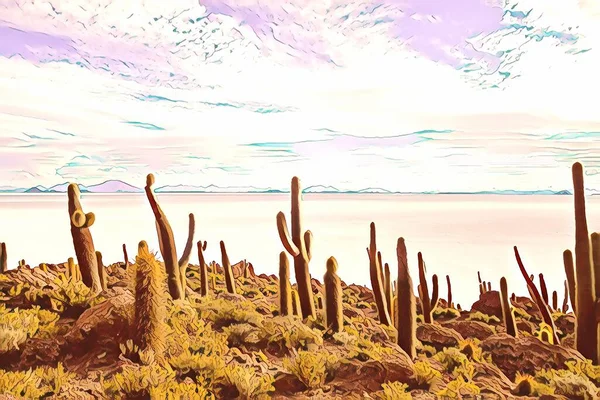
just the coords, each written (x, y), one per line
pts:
(542, 305)
(450, 304)
(507, 311)
(102, 271)
(481, 285)
(377, 279)
(166, 242)
(73, 270)
(570, 272)
(246, 273)
(406, 309)
(82, 240)
(125, 256)
(388, 289)
(544, 289)
(428, 303)
(187, 252)
(203, 269)
(3, 258)
(595, 243)
(586, 338)
(555, 300)
(285, 288)
(296, 303)
(565, 305)
(489, 286)
(229, 279)
(334, 314)
(150, 304)
(299, 247)
(213, 279)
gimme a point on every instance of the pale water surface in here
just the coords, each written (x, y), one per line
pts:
(458, 234)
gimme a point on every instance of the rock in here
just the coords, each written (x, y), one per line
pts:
(357, 376)
(491, 379)
(488, 303)
(39, 352)
(529, 306)
(288, 384)
(526, 354)
(566, 324)
(526, 326)
(438, 336)
(470, 329)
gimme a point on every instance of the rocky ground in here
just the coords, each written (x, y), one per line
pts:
(58, 341)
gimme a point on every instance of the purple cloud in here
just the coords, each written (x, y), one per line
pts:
(33, 46)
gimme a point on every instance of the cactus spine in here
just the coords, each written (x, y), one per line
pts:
(406, 309)
(203, 269)
(334, 315)
(285, 288)
(299, 247)
(102, 271)
(507, 311)
(586, 340)
(3, 258)
(166, 243)
(229, 279)
(82, 240)
(377, 279)
(570, 272)
(150, 300)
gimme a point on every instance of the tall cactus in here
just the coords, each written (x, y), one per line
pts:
(586, 338)
(125, 256)
(229, 279)
(406, 309)
(377, 279)
(166, 243)
(428, 304)
(150, 304)
(285, 288)
(298, 245)
(388, 288)
(507, 311)
(544, 289)
(570, 272)
(334, 314)
(3, 258)
(595, 243)
(203, 269)
(102, 271)
(449, 284)
(82, 240)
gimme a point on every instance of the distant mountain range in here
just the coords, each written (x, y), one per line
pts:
(116, 186)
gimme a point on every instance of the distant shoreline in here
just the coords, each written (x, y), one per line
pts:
(305, 193)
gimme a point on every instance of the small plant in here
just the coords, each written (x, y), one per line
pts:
(395, 391)
(425, 374)
(481, 317)
(248, 383)
(526, 385)
(458, 389)
(311, 367)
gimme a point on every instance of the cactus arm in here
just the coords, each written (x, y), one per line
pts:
(449, 284)
(308, 237)
(187, 251)
(284, 235)
(204, 245)
(434, 292)
(543, 307)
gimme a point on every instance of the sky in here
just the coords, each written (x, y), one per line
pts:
(406, 95)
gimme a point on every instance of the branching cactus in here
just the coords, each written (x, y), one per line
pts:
(334, 313)
(166, 241)
(586, 330)
(507, 311)
(285, 288)
(406, 309)
(537, 297)
(229, 279)
(571, 282)
(82, 240)
(101, 271)
(377, 279)
(3, 258)
(298, 245)
(150, 304)
(428, 304)
(203, 268)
